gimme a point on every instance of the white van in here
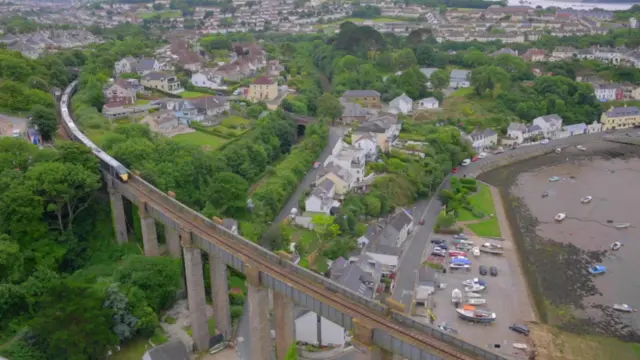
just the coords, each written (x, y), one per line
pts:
(466, 162)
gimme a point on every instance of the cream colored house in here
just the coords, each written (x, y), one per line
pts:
(263, 89)
(162, 81)
(340, 176)
(620, 118)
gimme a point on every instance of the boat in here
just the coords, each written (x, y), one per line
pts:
(476, 301)
(471, 313)
(459, 266)
(624, 308)
(597, 269)
(472, 295)
(545, 194)
(616, 245)
(474, 281)
(463, 242)
(476, 251)
(622, 225)
(554, 178)
(520, 346)
(558, 150)
(456, 296)
(560, 216)
(492, 249)
(474, 288)
(586, 199)
(581, 148)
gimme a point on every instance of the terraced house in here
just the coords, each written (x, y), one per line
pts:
(162, 81)
(620, 118)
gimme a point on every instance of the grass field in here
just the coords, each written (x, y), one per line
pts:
(97, 136)
(165, 14)
(192, 94)
(236, 122)
(204, 140)
(481, 201)
(488, 228)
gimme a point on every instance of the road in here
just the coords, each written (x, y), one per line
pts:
(335, 135)
(413, 253)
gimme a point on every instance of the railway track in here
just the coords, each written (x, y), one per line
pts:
(333, 299)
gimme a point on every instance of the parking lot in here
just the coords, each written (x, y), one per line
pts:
(505, 294)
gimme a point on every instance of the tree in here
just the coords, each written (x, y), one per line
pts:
(489, 78)
(158, 6)
(328, 106)
(44, 120)
(77, 328)
(227, 193)
(292, 354)
(439, 79)
(405, 59)
(66, 189)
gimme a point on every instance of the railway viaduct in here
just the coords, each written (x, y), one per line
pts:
(378, 331)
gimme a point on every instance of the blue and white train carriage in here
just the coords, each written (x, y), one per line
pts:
(107, 163)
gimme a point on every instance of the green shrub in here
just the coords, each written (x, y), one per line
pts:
(237, 312)
(236, 299)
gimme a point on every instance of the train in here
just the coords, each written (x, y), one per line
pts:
(107, 163)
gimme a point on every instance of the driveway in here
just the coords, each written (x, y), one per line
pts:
(335, 135)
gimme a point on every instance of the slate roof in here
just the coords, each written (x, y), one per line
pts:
(534, 128)
(360, 93)
(551, 119)
(623, 111)
(173, 350)
(403, 98)
(157, 75)
(263, 80)
(340, 172)
(209, 102)
(353, 110)
(517, 127)
(229, 223)
(460, 74)
(378, 124)
(482, 134)
(145, 64)
(428, 71)
(430, 100)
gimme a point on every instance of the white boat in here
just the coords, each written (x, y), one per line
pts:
(560, 216)
(492, 248)
(554, 178)
(586, 199)
(476, 301)
(520, 346)
(456, 296)
(472, 295)
(459, 266)
(616, 245)
(471, 313)
(622, 225)
(581, 148)
(558, 150)
(624, 308)
(474, 281)
(474, 288)
(476, 251)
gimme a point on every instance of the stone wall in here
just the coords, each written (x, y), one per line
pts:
(498, 162)
(623, 140)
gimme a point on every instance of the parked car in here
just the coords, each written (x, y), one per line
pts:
(499, 150)
(544, 141)
(316, 165)
(466, 162)
(475, 158)
(438, 241)
(454, 170)
(483, 270)
(482, 155)
(443, 246)
(520, 329)
(457, 253)
(439, 252)
(493, 271)
(460, 236)
(421, 222)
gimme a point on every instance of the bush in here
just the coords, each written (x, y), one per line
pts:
(236, 299)
(468, 181)
(237, 312)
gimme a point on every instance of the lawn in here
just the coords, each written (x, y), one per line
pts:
(482, 201)
(165, 14)
(97, 136)
(236, 122)
(464, 92)
(135, 349)
(204, 140)
(300, 235)
(142, 101)
(488, 228)
(192, 94)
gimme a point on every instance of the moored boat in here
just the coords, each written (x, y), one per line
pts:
(456, 296)
(472, 295)
(581, 148)
(597, 269)
(545, 194)
(492, 248)
(560, 216)
(471, 313)
(586, 199)
(474, 281)
(476, 301)
(474, 288)
(616, 245)
(554, 178)
(622, 225)
(624, 308)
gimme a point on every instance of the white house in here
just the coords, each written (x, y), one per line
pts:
(482, 139)
(369, 145)
(321, 198)
(459, 79)
(306, 328)
(126, 65)
(352, 158)
(549, 124)
(428, 103)
(402, 103)
(606, 92)
(517, 132)
(207, 79)
(400, 225)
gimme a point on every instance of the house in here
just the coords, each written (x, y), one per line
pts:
(162, 81)
(208, 106)
(121, 91)
(459, 79)
(399, 228)
(564, 52)
(353, 112)
(230, 224)
(402, 104)
(207, 78)
(608, 92)
(549, 124)
(353, 276)
(620, 118)
(126, 65)
(146, 66)
(198, 109)
(427, 283)
(164, 121)
(427, 103)
(366, 98)
(340, 176)
(263, 89)
(576, 129)
(369, 144)
(534, 55)
(173, 350)
(482, 139)
(504, 51)
(306, 328)
(387, 236)
(321, 198)
(385, 127)
(352, 158)
(517, 132)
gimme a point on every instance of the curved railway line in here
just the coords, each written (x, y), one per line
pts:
(193, 222)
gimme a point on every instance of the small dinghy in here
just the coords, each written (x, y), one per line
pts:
(560, 216)
(520, 346)
(581, 148)
(586, 199)
(472, 295)
(558, 150)
(554, 178)
(474, 288)
(474, 281)
(476, 301)
(622, 225)
(597, 269)
(545, 194)
(624, 308)
(456, 296)
(616, 245)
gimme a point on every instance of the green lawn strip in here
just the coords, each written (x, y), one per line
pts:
(207, 141)
(488, 228)
(135, 348)
(192, 94)
(483, 200)
(465, 215)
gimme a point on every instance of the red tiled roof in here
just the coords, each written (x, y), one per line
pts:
(263, 80)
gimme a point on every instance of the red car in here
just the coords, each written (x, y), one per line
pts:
(454, 170)
(475, 158)
(457, 253)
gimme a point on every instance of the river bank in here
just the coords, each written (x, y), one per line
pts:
(556, 256)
